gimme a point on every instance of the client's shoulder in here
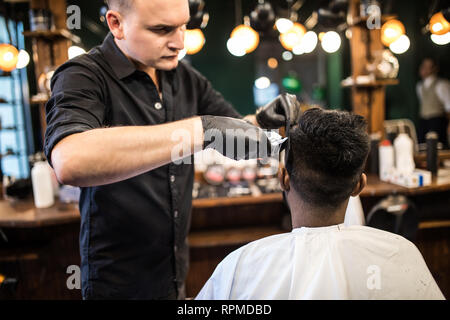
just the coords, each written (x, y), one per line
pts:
(373, 235)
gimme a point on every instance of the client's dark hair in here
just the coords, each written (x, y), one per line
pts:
(328, 150)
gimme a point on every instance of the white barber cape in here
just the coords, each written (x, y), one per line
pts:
(335, 262)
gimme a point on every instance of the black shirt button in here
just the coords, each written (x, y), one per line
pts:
(158, 105)
(172, 178)
(175, 214)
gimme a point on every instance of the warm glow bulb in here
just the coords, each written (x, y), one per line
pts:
(391, 31)
(272, 63)
(331, 41)
(283, 25)
(182, 54)
(9, 56)
(401, 45)
(246, 36)
(23, 59)
(440, 39)
(235, 47)
(293, 36)
(307, 44)
(193, 41)
(262, 83)
(75, 51)
(439, 25)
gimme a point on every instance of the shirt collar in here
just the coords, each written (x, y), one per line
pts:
(120, 64)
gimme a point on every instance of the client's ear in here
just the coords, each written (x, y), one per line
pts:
(283, 176)
(360, 185)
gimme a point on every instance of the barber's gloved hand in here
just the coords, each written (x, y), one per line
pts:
(234, 138)
(276, 113)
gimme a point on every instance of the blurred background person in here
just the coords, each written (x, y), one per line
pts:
(434, 97)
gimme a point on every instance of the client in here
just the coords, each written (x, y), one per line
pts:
(322, 258)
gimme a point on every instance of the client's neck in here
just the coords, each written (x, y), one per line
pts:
(304, 214)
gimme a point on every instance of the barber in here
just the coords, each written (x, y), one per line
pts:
(115, 117)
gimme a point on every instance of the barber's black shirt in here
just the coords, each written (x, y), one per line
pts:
(133, 232)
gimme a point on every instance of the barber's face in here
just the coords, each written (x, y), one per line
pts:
(153, 32)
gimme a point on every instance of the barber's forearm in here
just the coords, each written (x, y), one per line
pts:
(108, 155)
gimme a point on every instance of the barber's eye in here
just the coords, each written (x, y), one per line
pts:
(163, 30)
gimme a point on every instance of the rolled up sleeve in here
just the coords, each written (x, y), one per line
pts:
(76, 105)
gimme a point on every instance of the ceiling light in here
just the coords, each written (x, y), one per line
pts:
(23, 59)
(9, 56)
(331, 41)
(391, 31)
(401, 45)
(193, 40)
(283, 25)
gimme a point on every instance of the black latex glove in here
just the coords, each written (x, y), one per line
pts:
(276, 113)
(245, 141)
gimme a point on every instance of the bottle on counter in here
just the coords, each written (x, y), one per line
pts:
(432, 158)
(386, 159)
(42, 185)
(374, 161)
(404, 154)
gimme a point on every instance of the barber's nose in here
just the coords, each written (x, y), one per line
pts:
(177, 42)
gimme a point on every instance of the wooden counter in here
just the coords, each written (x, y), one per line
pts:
(43, 242)
(25, 215)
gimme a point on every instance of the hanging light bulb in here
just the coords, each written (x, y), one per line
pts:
(391, 31)
(23, 59)
(272, 63)
(331, 41)
(193, 41)
(182, 54)
(438, 24)
(287, 56)
(401, 45)
(235, 47)
(247, 38)
(307, 44)
(8, 57)
(440, 39)
(293, 36)
(75, 51)
(283, 25)
(262, 83)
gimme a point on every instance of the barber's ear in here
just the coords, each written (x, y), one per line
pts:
(283, 176)
(360, 185)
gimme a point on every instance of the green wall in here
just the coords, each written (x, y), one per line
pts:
(232, 76)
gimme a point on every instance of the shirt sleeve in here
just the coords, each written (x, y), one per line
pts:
(76, 104)
(443, 92)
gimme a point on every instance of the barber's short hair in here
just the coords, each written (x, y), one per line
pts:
(328, 151)
(120, 5)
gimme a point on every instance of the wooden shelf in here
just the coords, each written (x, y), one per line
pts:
(378, 83)
(236, 201)
(53, 35)
(230, 237)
